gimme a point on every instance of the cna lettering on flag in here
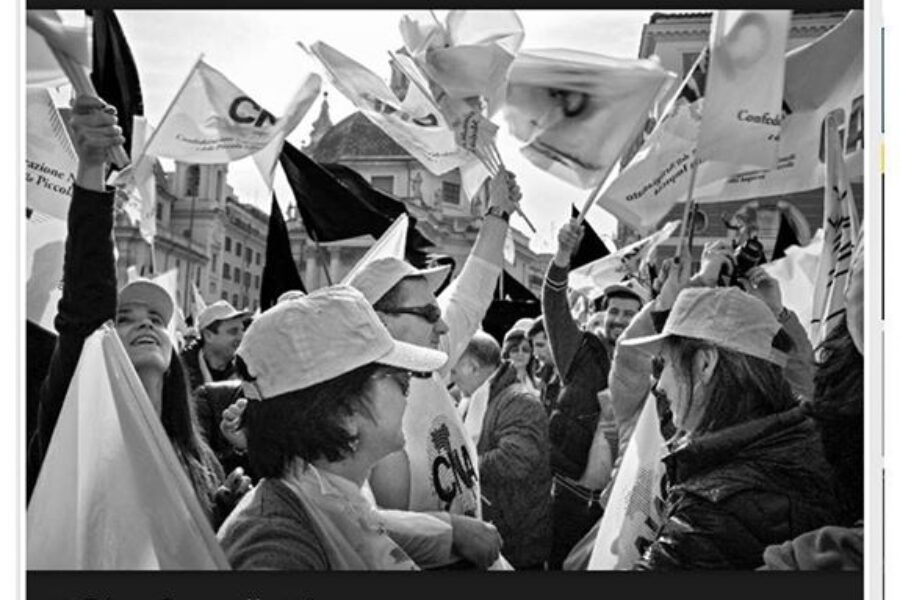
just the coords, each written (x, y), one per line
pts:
(111, 493)
(577, 111)
(634, 509)
(744, 87)
(212, 121)
(45, 242)
(841, 227)
(50, 160)
(591, 278)
(414, 123)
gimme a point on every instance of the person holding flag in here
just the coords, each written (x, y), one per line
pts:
(141, 312)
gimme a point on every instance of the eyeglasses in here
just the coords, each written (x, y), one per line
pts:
(429, 312)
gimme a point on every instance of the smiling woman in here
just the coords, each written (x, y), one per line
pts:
(142, 311)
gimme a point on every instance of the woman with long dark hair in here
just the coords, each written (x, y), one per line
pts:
(518, 351)
(746, 467)
(141, 312)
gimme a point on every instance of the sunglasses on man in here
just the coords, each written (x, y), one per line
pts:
(429, 312)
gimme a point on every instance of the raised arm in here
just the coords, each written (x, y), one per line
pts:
(89, 275)
(563, 334)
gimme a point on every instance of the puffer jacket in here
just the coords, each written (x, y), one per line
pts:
(732, 493)
(514, 463)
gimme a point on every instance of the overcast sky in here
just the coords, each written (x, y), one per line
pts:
(257, 50)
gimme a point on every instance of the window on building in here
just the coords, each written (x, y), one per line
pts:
(450, 193)
(256, 282)
(237, 250)
(246, 301)
(246, 279)
(227, 244)
(178, 263)
(687, 61)
(248, 255)
(197, 278)
(224, 295)
(255, 305)
(192, 181)
(258, 258)
(237, 275)
(226, 271)
(212, 287)
(159, 211)
(215, 262)
(234, 301)
(385, 183)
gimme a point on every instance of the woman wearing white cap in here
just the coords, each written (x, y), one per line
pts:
(327, 387)
(746, 468)
(141, 311)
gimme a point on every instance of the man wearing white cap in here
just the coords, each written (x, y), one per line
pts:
(437, 470)
(211, 358)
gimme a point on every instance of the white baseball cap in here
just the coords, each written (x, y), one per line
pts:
(727, 317)
(221, 310)
(379, 276)
(150, 294)
(304, 341)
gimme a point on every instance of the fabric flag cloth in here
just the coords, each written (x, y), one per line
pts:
(50, 159)
(42, 67)
(391, 244)
(634, 509)
(577, 111)
(199, 304)
(331, 208)
(212, 121)
(821, 78)
(279, 271)
(45, 243)
(744, 87)
(796, 275)
(415, 123)
(625, 262)
(114, 72)
(841, 231)
(112, 495)
(591, 247)
(138, 183)
(470, 54)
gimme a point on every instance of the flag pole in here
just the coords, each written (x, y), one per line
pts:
(688, 207)
(168, 110)
(322, 260)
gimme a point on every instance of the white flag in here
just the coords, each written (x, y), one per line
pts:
(111, 493)
(392, 243)
(212, 121)
(45, 240)
(47, 33)
(590, 279)
(50, 159)
(744, 87)
(199, 303)
(137, 182)
(578, 111)
(796, 275)
(634, 510)
(841, 232)
(415, 123)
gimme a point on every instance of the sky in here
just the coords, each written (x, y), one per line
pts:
(258, 51)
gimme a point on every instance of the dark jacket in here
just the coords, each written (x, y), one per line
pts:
(271, 530)
(733, 492)
(88, 300)
(582, 361)
(514, 463)
(190, 356)
(210, 401)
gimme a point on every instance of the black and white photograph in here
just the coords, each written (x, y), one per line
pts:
(456, 290)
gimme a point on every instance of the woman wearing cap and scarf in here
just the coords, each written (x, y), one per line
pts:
(141, 314)
(327, 387)
(746, 468)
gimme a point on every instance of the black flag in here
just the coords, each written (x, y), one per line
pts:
(114, 73)
(786, 238)
(591, 247)
(280, 271)
(336, 203)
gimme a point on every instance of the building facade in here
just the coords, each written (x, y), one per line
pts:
(443, 214)
(677, 40)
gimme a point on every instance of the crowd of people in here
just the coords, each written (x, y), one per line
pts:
(322, 435)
